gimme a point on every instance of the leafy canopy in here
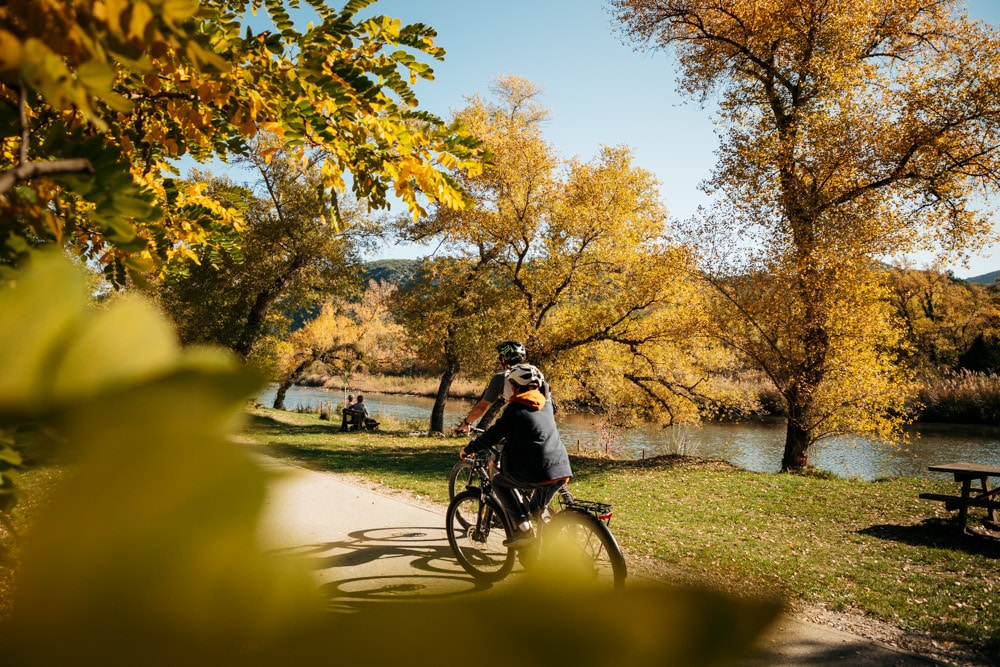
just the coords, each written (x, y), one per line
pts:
(99, 98)
(853, 130)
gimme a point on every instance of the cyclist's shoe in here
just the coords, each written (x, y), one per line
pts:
(521, 536)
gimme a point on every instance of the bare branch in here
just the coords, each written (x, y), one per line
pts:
(29, 170)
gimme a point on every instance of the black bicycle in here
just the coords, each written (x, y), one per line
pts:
(466, 473)
(477, 526)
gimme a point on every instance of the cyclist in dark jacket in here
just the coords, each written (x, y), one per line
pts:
(510, 353)
(533, 453)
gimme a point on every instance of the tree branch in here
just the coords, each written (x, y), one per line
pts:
(29, 170)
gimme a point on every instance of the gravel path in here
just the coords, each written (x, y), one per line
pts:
(368, 544)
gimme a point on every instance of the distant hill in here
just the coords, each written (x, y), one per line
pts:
(395, 271)
(985, 279)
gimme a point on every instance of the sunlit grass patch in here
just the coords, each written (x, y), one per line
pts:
(872, 548)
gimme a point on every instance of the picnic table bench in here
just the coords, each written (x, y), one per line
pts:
(971, 495)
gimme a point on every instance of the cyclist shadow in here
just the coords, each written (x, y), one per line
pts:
(387, 565)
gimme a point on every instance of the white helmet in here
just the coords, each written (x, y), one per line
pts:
(522, 375)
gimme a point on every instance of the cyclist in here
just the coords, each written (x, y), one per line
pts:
(534, 457)
(510, 353)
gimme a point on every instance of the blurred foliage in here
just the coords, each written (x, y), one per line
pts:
(148, 554)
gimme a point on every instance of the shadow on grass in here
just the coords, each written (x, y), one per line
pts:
(383, 452)
(266, 426)
(938, 533)
(425, 463)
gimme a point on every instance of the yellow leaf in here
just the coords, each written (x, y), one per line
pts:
(178, 11)
(96, 75)
(141, 17)
(10, 51)
(127, 343)
(30, 336)
(115, 8)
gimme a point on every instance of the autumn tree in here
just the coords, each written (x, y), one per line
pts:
(453, 310)
(285, 258)
(852, 130)
(942, 316)
(99, 99)
(576, 253)
(345, 337)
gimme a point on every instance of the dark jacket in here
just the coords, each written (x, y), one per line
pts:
(359, 407)
(533, 451)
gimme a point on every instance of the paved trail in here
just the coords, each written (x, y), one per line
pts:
(366, 546)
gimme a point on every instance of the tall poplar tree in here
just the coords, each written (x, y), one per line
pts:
(851, 130)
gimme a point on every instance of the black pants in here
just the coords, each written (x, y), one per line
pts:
(519, 498)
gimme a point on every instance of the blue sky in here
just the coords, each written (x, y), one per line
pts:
(599, 90)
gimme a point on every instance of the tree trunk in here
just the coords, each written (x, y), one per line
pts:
(797, 441)
(491, 413)
(262, 306)
(279, 396)
(437, 412)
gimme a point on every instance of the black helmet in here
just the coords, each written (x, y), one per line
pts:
(512, 351)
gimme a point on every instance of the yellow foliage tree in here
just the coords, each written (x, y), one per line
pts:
(564, 256)
(941, 316)
(853, 130)
(344, 337)
(99, 98)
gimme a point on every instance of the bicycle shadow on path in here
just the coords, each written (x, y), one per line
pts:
(367, 548)
(386, 565)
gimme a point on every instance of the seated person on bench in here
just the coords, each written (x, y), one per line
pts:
(345, 414)
(358, 417)
(534, 457)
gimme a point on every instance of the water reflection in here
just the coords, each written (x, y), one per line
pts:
(755, 447)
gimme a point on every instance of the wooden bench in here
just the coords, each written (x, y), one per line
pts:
(971, 496)
(352, 421)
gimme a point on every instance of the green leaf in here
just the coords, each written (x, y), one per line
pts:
(96, 75)
(38, 313)
(10, 456)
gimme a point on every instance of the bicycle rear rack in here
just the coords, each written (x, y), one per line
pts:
(600, 511)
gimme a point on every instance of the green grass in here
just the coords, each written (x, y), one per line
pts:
(866, 547)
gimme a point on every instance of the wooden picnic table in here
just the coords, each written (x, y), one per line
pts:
(971, 495)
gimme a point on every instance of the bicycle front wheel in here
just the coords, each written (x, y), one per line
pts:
(476, 532)
(588, 548)
(463, 474)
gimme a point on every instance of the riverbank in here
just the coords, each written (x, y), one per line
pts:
(871, 553)
(956, 398)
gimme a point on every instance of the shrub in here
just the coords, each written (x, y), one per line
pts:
(964, 397)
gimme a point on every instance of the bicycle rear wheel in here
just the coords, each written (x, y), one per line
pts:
(476, 532)
(588, 547)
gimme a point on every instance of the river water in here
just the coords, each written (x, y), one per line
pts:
(752, 446)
